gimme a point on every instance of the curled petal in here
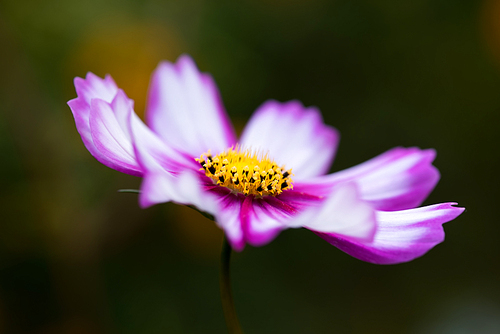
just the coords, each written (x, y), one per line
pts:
(294, 136)
(111, 111)
(398, 179)
(109, 138)
(94, 87)
(185, 109)
(401, 236)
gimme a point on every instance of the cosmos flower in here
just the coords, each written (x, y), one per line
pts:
(271, 178)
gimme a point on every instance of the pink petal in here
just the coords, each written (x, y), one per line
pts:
(246, 219)
(262, 220)
(185, 109)
(183, 188)
(294, 136)
(401, 236)
(343, 212)
(257, 221)
(122, 107)
(399, 179)
(162, 165)
(152, 154)
(228, 218)
(93, 87)
(110, 139)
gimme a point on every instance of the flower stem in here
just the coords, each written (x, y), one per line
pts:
(233, 325)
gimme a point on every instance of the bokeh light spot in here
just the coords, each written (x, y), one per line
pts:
(128, 51)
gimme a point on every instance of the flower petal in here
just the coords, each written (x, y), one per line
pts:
(294, 136)
(263, 219)
(152, 154)
(183, 188)
(93, 87)
(110, 139)
(246, 219)
(398, 179)
(343, 212)
(401, 236)
(228, 218)
(164, 168)
(257, 221)
(185, 109)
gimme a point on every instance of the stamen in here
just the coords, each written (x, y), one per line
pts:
(246, 172)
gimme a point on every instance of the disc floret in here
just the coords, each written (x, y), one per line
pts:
(246, 171)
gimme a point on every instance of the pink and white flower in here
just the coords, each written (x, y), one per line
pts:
(271, 178)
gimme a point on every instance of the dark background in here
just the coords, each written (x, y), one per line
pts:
(78, 257)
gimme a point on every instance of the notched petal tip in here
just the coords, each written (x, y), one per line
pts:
(401, 236)
(183, 63)
(185, 60)
(109, 79)
(453, 211)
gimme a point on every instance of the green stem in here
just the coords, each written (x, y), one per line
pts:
(233, 325)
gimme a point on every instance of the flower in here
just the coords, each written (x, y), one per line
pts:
(270, 179)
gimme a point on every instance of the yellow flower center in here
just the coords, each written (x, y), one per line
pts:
(247, 172)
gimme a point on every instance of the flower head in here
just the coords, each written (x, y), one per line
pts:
(271, 178)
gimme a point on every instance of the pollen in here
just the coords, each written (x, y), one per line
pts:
(246, 172)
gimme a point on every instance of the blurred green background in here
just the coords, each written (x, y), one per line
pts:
(78, 257)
